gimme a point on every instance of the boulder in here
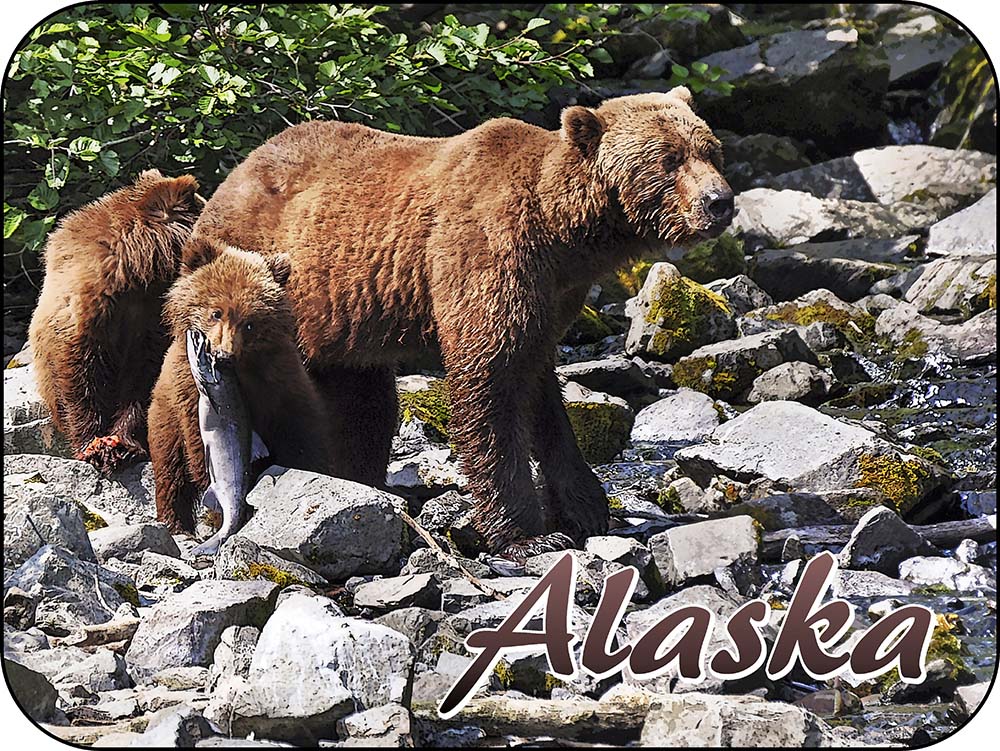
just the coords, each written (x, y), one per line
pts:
(694, 550)
(881, 541)
(952, 285)
(673, 315)
(426, 473)
(180, 726)
(788, 511)
(27, 424)
(792, 381)
(970, 232)
(336, 527)
(32, 520)
(788, 446)
(727, 370)
(591, 573)
(617, 375)
(70, 592)
(312, 667)
(969, 698)
(32, 690)
(242, 559)
(125, 498)
(843, 79)
(868, 584)
(848, 268)
(601, 422)
(160, 575)
(416, 624)
(710, 260)
(947, 572)
(622, 550)
(387, 726)
(127, 543)
(185, 629)
(413, 590)
(233, 654)
(677, 420)
(741, 292)
(916, 335)
(918, 47)
(890, 173)
(779, 218)
(968, 102)
(817, 306)
(707, 721)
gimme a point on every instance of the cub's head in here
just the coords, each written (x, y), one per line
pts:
(237, 300)
(659, 161)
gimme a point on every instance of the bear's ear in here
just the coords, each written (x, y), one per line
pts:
(683, 95)
(197, 253)
(583, 128)
(281, 267)
(168, 196)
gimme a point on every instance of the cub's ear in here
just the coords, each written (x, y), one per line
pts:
(167, 196)
(281, 267)
(583, 128)
(683, 95)
(198, 252)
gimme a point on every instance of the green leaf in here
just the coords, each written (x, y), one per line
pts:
(679, 71)
(536, 23)
(43, 198)
(210, 74)
(57, 170)
(110, 162)
(699, 67)
(601, 55)
(12, 218)
(85, 148)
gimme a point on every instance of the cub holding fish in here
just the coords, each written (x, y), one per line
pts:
(232, 325)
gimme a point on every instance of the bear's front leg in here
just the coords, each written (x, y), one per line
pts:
(575, 500)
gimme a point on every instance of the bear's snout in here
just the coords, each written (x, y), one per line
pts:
(719, 204)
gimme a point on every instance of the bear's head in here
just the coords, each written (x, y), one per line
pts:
(659, 163)
(237, 300)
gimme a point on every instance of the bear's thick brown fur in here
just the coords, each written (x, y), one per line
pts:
(485, 244)
(96, 334)
(239, 303)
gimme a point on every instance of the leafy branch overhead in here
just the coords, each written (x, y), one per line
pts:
(99, 92)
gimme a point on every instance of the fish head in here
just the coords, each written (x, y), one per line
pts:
(201, 359)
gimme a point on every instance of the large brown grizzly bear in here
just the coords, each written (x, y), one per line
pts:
(96, 334)
(485, 244)
(238, 301)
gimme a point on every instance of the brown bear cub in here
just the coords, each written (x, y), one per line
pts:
(97, 335)
(238, 302)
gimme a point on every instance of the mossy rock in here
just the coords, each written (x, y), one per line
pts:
(269, 573)
(968, 89)
(588, 328)
(676, 315)
(903, 481)
(821, 306)
(720, 258)
(602, 428)
(92, 521)
(431, 405)
(704, 374)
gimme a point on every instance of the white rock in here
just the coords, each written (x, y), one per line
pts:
(677, 420)
(948, 572)
(693, 550)
(127, 543)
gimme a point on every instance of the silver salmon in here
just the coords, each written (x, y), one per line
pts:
(228, 437)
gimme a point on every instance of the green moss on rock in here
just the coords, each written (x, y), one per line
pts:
(852, 325)
(912, 347)
(431, 405)
(268, 572)
(703, 374)
(720, 258)
(588, 328)
(601, 428)
(901, 481)
(91, 519)
(128, 592)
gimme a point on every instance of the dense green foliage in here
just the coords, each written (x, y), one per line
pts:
(99, 92)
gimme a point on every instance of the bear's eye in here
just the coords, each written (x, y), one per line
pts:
(248, 326)
(217, 315)
(672, 161)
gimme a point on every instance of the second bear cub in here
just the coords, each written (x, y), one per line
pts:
(239, 303)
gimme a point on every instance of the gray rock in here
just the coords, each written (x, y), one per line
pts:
(241, 559)
(159, 575)
(70, 592)
(427, 561)
(127, 543)
(417, 624)
(29, 640)
(426, 473)
(918, 46)
(591, 573)
(18, 609)
(707, 721)
(779, 218)
(311, 668)
(694, 550)
(186, 628)
(889, 174)
(617, 375)
(971, 341)
(687, 494)
(881, 541)
(662, 330)
(184, 678)
(843, 79)
(27, 425)
(175, 727)
(727, 369)
(753, 159)
(950, 285)
(789, 510)
(970, 232)
(234, 653)
(622, 550)
(791, 447)
(35, 695)
(677, 420)
(741, 292)
(125, 498)
(948, 572)
(413, 590)
(792, 381)
(969, 698)
(387, 726)
(601, 422)
(866, 584)
(31, 521)
(336, 527)
(848, 268)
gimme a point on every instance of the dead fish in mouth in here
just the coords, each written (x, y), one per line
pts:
(230, 442)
